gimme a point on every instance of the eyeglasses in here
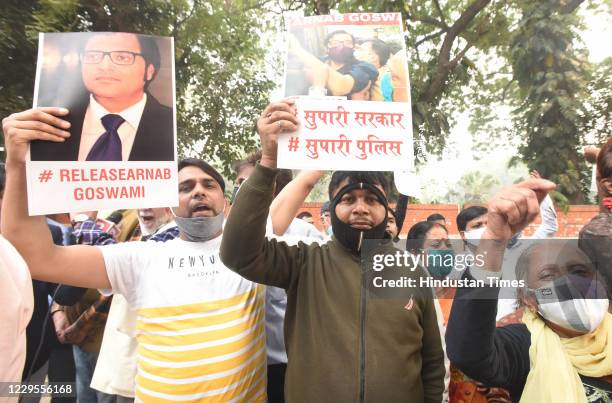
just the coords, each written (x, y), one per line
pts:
(119, 57)
(348, 43)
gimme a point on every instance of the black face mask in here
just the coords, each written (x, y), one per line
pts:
(340, 54)
(348, 236)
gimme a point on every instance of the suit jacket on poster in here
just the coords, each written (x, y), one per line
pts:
(154, 139)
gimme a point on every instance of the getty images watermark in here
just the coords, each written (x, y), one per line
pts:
(443, 263)
(550, 267)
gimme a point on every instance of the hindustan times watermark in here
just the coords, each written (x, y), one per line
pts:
(502, 270)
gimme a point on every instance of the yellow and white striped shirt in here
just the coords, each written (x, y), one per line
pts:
(200, 329)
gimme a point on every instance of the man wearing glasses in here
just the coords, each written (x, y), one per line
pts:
(120, 121)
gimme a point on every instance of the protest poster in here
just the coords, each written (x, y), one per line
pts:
(361, 57)
(121, 153)
(347, 135)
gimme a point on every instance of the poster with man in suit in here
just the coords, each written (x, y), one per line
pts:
(118, 89)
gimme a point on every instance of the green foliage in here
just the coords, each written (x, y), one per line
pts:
(20, 22)
(597, 122)
(466, 56)
(552, 75)
(473, 188)
(435, 105)
(220, 87)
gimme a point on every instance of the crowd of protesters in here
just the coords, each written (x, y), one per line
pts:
(245, 300)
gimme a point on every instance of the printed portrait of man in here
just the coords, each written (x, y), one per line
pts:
(115, 117)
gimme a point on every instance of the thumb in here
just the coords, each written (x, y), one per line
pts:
(541, 187)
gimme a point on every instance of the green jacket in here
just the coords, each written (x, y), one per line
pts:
(343, 345)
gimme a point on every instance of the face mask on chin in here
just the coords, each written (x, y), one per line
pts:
(200, 229)
(573, 303)
(349, 237)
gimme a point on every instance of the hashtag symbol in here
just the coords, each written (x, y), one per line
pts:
(45, 175)
(293, 143)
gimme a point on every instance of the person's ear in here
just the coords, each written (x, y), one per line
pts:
(606, 185)
(226, 207)
(529, 300)
(150, 71)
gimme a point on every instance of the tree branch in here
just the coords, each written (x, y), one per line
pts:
(428, 20)
(437, 4)
(256, 6)
(506, 87)
(571, 6)
(453, 63)
(428, 37)
(180, 22)
(444, 66)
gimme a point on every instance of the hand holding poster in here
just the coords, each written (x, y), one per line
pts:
(121, 153)
(361, 57)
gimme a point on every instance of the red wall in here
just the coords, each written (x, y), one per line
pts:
(569, 224)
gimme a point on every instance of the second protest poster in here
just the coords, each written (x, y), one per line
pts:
(349, 74)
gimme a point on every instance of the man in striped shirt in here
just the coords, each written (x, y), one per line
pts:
(200, 326)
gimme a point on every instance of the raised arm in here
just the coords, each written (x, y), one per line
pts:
(495, 357)
(73, 265)
(286, 204)
(244, 247)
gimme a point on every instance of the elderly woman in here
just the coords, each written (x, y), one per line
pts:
(562, 352)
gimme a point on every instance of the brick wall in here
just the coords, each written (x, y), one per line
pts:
(569, 224)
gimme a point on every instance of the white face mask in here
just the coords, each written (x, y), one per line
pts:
(579, 304)
(473, 237)
(580, 315)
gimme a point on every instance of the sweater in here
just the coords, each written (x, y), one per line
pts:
(497, 357)
(343, 344)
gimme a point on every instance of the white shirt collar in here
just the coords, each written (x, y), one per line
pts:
(131, 115)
